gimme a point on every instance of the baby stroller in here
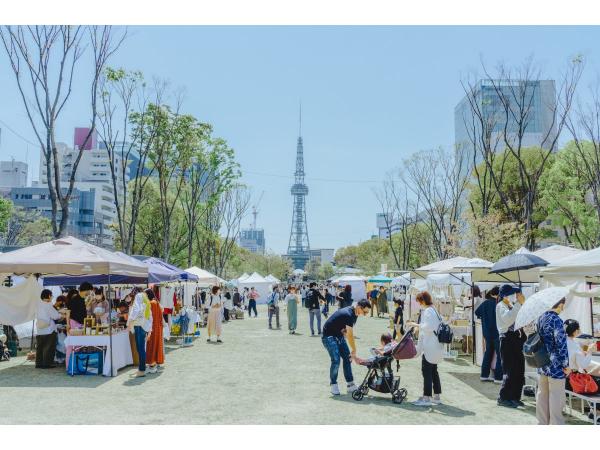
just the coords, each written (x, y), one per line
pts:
(380, 376)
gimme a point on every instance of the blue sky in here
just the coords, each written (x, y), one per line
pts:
(370, 97)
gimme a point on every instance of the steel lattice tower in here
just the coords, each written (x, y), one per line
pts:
(299, 246)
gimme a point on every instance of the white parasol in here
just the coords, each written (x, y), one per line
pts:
(538, 304)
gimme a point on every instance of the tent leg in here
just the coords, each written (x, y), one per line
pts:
(473, 321)
(110, 342)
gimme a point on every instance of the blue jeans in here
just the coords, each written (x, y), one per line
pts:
(338, 349)
(312, 314)
(492, 345)
(140, 345)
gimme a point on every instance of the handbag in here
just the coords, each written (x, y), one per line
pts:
(582, 383)
(535, 351)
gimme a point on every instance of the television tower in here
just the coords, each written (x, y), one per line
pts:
(299, 247)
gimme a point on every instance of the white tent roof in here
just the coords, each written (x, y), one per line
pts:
(272, 278)
(69, 256)
(402, 279)
(350, 278)
(442, 266)
(577, 265)
(243, 276)
(298, 272)
(555, 253)
(255, 278)
(522, 251)
(204, 276)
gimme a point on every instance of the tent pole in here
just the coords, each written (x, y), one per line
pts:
(110, 342)
(37, 277)
(591, 310)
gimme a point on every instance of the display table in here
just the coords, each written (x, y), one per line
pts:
(121, 350)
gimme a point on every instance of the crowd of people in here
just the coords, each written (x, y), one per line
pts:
(141, 313)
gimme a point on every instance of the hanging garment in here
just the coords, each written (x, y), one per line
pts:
(155, 352)
(18, 304)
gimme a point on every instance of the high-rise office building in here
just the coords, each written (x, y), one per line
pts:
(490, 97)
(12, 174)
(253, 240)
(93, 176)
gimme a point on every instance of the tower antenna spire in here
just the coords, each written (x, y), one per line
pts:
(300, 124)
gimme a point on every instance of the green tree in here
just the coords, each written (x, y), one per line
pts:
(565, 195)
(5, 213)
(517, 205)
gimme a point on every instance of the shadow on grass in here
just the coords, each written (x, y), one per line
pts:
(386, 402)
(26, 375)
(136, 381)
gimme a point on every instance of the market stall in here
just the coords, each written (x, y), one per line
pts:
(72, 257)
(204, 278)
(358, 283)
(259, 283)
(579, 272)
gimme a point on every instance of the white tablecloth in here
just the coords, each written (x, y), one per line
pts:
(121, 349)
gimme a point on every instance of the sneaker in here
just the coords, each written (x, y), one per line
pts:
(436, 400)
(351, 387)
(208, 340)
(152, 370)
(519, 403)
(485, 379)
(422, 401)
(335, 390)
(506, 403)
(219, 341)
(139, 374)
(498, 381)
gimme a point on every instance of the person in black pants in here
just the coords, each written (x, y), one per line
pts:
(252, 296)
(487, 313)
(511, 347)
(398, 318)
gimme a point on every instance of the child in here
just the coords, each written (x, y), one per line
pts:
(387, 343)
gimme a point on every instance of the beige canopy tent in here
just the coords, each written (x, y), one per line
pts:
(69, 256)
(75, 258)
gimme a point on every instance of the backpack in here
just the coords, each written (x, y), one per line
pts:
(535, 351)
(444, 333)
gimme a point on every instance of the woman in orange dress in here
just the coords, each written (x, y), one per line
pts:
(155, 351)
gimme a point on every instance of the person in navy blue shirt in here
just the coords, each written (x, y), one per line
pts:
(487, 313)
(551, 388)
(337, 329)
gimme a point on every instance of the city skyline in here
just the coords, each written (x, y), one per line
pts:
(371, 96)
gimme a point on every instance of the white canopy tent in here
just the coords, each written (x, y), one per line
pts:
(359, 290)
(580, 272)
(205, 278)
(259, 283)
(401, 280)
(272, 279)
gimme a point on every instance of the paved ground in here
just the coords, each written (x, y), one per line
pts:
(257, 376)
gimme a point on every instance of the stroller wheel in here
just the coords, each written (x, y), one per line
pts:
(358, 395)
(399, 396)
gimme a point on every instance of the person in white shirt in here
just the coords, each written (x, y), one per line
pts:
(139, 323)
(431, 350)
(46, 338)
(511, 347)
(214, 303)
(580, 360)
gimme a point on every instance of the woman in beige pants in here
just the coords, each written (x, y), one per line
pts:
(214, 303)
